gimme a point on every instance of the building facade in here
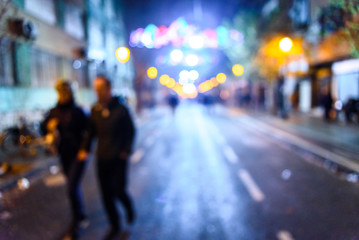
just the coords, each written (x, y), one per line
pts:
(326, 62)
(332, 64)
(44, 40)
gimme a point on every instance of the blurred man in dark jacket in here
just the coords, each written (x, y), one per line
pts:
(68, 123)
(111, 123)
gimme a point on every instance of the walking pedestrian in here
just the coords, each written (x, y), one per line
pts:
(326, 101)
(281, 98)
(111, 123)
(68, 122)
(173, 102)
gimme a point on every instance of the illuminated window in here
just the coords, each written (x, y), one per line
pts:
(73, 21)
(43, 9)
(45, 68)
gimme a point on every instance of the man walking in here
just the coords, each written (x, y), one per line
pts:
(111, 123)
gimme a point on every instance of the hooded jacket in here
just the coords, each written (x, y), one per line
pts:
(72, 124)
(114, 129)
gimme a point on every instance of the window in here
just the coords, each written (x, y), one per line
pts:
(43, 9)
(109, 9)
(6, 63)
(44, 68)
(73, 21)
(96, 2)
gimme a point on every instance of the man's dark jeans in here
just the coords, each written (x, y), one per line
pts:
(74, 171)
(113, 181)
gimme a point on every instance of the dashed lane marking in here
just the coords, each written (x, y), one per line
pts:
(218, 136)
(230, 154)
(251, 186)
(137, 156)
(284, 235)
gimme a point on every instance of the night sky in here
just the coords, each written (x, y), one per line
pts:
(205, 14)
(140, 13)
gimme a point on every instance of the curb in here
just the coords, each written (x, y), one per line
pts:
(345, 163)
(31, 174)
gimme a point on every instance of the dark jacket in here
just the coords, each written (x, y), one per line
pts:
(326, 101)
(113, 128)
(72, 125)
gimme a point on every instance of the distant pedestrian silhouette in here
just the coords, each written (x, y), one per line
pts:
(173, 102)
(281, 98)
(326, 101)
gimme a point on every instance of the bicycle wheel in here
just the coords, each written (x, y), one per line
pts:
(10, 142)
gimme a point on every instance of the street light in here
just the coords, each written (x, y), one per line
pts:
(285, 44)
(238, 70)
(123, 54)
(152, 72)
(171, 83)
(221, 77)
(176, 56)
(164, 79)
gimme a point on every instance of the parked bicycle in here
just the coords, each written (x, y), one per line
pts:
(24, 139)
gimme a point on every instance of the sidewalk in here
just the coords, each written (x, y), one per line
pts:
(336, 142)
(32, 168)
(28, 168)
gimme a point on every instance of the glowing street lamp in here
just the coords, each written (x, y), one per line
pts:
(123, 54)
(238, 70)
(176, 56)
(221, 77)
(191, 60)
(152, 72)
(193, 75)
(164, 79)
(189, 88)
(285, 44)
(196, 42)
(171, 83)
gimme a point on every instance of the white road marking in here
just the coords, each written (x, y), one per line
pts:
(55, 180)
(251, 186)
(218, 136)
(230, 154)
(228, 151)
(137, 155)
(284, 235)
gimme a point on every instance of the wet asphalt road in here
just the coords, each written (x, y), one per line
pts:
(198, 175)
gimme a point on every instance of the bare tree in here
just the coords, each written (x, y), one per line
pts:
(7, 9)
(4, 8)
(351, 13)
